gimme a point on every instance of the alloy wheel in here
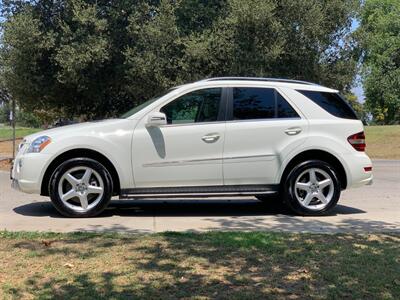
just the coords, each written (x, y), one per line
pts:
(81, 188)
(314, 189)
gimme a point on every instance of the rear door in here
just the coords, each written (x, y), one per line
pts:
(262, 127)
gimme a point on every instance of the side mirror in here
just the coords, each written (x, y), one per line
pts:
(156, 119)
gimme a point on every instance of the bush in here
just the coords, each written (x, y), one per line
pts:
(28, 119)
(4, 114)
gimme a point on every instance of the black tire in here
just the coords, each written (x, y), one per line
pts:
(289, 193)
(102, 201)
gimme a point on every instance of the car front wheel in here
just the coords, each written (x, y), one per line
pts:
(312, 188)
(81, 187)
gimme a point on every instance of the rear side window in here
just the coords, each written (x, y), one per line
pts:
(260, 103)
(332, 103)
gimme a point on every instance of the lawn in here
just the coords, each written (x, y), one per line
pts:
(20, 132)
(235, 265)
(383, 141)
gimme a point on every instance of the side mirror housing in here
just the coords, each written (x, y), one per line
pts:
(156, 119)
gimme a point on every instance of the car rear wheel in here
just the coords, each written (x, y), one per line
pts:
(312, 188)
(81, 187)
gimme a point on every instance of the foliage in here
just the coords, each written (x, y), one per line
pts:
(99, 58)
(4, 113)
(28, 119)
(358, 107)
(379, 36)
(23, 118)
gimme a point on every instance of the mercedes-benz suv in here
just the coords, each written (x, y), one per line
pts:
(217, 137)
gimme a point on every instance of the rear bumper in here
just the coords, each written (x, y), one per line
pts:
(368, 181)
(356, 174)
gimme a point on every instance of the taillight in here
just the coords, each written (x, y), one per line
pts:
(357, 141)
(368, 169)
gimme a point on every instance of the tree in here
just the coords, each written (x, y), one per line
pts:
(67, 56)
(358, 107)
(379, 37)
(98, 58)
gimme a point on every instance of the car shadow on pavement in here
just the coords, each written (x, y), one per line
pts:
(182, 208)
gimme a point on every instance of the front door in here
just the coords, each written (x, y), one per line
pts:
(188, 150)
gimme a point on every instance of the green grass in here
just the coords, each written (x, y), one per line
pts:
(383, 141)
(224, 265)
(20, 132)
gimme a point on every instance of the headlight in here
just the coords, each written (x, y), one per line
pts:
(21, 145)
(39, 144)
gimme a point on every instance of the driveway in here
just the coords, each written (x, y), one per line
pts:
(373, 208)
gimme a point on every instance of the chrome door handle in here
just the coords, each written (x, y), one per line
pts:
(210, 138)
(293, 131)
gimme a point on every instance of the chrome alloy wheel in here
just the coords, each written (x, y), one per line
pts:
(314, 189)
(81, 188)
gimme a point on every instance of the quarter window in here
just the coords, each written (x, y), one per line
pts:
(195, 107)
(260, 103)
(331, 102)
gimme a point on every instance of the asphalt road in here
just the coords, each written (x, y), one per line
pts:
(373, 208)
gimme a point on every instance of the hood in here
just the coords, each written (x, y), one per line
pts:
(83, 129)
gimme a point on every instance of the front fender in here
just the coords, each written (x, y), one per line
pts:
(117, 150)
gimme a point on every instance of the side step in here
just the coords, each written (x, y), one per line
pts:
(200, 191)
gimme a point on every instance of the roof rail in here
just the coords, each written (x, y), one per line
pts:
(259, 79)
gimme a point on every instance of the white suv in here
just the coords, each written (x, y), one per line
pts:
(216, 137)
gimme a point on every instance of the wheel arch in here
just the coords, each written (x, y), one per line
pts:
(79, 152)
(320, 155)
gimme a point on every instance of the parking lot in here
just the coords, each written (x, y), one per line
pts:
(373, 208)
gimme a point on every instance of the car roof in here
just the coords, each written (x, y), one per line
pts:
(260, 81)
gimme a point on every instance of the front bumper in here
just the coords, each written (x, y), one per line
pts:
(27, 172)
(15, 184)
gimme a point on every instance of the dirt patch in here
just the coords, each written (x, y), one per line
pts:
(6, 147)
(5, 165)
(6, 152)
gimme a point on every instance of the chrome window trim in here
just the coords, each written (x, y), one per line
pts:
(264, 120)
(191, 124)
(230, 121)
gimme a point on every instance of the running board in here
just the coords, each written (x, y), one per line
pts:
(200, 191)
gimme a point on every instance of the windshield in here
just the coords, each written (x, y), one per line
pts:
(143, 105)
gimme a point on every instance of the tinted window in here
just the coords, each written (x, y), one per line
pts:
(260, 103)
(253, 103)
(284, 109)
(197, 106)
(332, 103)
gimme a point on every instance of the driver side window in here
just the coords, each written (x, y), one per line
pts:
(194, 107)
